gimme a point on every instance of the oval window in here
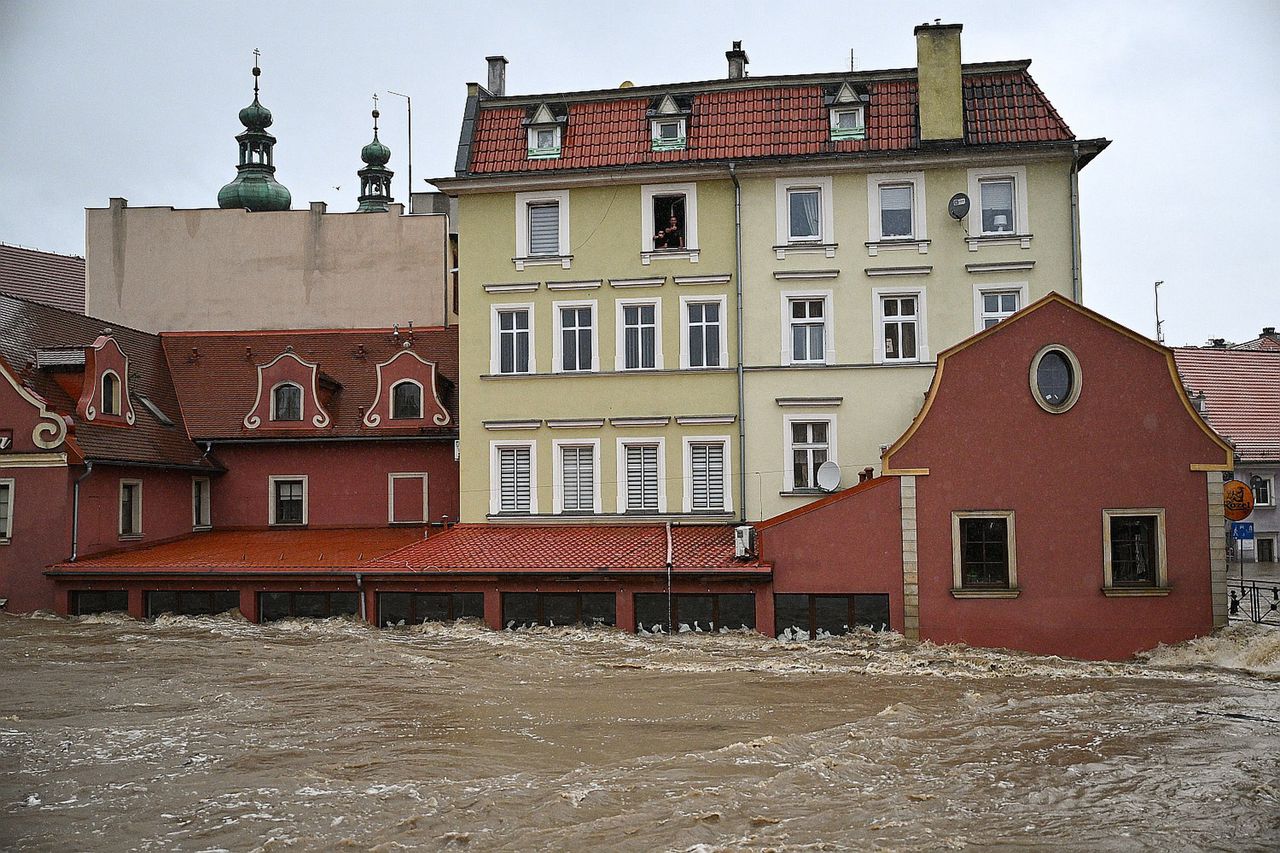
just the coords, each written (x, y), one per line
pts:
(1055, 378)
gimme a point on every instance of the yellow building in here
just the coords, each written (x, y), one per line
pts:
(665, 287)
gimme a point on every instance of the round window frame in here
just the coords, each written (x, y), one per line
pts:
(1076, 375)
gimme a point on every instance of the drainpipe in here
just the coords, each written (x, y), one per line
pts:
(1076, 289)
(671, 623)
(364, 616)
(737, 278)
(75, 509)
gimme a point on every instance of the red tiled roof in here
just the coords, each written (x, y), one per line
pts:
(218, 383)
(1242, 396)
(1267, 342)
(1000, 107)
(234, 551)
(26, 327)
(44, 277)
(571, 548)
(864, 486)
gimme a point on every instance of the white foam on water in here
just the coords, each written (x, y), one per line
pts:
(1241, 646)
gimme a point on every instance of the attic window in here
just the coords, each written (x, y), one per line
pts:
(668, 134)
(848, 123)
(544, 142)
(155, 410)
(110, 393)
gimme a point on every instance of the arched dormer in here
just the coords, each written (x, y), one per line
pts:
(104, 396)
(406, 400)
(406, 369)
(275, 395)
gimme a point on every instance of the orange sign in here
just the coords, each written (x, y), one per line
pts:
(1237, 500)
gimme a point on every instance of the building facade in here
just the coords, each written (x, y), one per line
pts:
(689, 297)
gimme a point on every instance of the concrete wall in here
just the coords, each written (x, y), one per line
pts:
(160, 269)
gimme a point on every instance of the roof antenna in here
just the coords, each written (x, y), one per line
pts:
(1159, 322)
(853, 60)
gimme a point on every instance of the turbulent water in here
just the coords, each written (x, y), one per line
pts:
(210, 733)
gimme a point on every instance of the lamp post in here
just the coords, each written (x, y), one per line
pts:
(409, 104)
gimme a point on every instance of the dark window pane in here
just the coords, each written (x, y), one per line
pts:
(831, 614)
(344, 603)
(651, 611)
(871, 611)
(599, 608)
(468, 605)
(288, 403)
(310, 604)
(984, 552)
(519, 609)
(559, 609)
(406, 401)
(394, 607)
(226, 599)
(1134, 558)
(195, 603)
(273, 605)
(737, 610)
(1054, 378)
(431, 607)
(791, 614)
(694, 613)
(160, 602)
(100, 601)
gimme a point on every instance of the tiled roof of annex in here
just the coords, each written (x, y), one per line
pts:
(1242, 396)
(27, 327)
(216, 374)
(760, 118)
(258, 551)
(530, 549)
(44, 277)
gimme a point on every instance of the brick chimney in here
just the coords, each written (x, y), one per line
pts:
(737, 61)
(941, 94)
(497, 75)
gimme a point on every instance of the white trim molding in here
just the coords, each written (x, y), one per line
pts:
(622, 444)
(557, 474)
(1017, 175)
(391, 497)
(620, 336)
(271, 499)
(877, 324)
(824, 241)
(319, 420)
(495, 476)
(919, 237)
(372, 418)
(980, 290)
(557, 341)
(50, 430)
(726, 471)
(648, 192)
(828, 325)
(523, 201)
(788, 458)
(722, 302)
(495, 340)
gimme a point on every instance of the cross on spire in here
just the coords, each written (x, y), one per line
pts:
(256, 71)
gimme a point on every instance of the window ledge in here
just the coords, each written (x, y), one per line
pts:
(4, 540)
(875, 247)
(563, 261)
(1136, 591)
(130, 537)
(690, 255)
(905, 362)
(803, 493)
(288, 524)
(200, 528)
(806, 248)
(986, 593)
(976, 243)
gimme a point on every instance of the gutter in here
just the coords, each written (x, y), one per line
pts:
(737, 279)
(75, 509)
(1076, 288)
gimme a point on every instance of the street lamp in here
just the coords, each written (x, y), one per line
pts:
(409, 104)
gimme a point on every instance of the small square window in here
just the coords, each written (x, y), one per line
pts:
(1134, 561)
(998, 215)
(997, 305)
(848, 123)
(288, 500)
(544, 142)
(984, 560)
(668, 134)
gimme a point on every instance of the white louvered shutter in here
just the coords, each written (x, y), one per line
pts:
(642, 478)
(707, 463)
(513, 474)
(578, 477)
(544, 228)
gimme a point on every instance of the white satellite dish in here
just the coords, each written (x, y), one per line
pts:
(828, 476)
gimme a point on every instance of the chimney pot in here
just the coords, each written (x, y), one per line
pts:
(497, 75)
(1268, 330)
(737, 61)
(938, 81)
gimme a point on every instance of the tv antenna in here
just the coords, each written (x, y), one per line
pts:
(1159, 322)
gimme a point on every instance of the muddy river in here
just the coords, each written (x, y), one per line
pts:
(212, 734)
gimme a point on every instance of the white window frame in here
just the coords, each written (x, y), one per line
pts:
(877, 329)
(117, 395)
(271, 499)
(957, 568)
(202, 520)
(828, 325)
(1162, 561)
(137, 531)
(688, 441)
(788, 462)
(391, 399)
(557, 343)
(302, 402)
(523, 200)
(826, 210)
(391, 497)
(858, 132)
(8, 486)
(648, 227)
(685, 350)
(919, 223)
(677, 143)
(495, 476)
(622, 445)
(557, 480)
(1271, 491)
(536, 152)
(620, 354)
(1021, 219)
(981, 290)
(495, 341)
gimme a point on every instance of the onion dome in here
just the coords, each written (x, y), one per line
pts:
(255, 186)
(375, 177)
(375, 153)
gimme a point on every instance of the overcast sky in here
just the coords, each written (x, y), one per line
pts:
(139, 99)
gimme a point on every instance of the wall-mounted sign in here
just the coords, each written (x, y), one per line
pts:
(1242, 530)
(1237, 500)
(6, 440)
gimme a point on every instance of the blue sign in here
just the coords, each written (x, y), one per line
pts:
(1241, 530)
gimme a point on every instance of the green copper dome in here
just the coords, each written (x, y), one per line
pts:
(375, 153)
(255, 186)
(375, 177)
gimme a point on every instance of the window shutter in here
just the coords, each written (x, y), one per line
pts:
(642, 478)
(513, 475)
(544, 229)
(578, 477)
(707, 462)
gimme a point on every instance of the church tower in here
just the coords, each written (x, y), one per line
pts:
(375, 177)
(255, 186)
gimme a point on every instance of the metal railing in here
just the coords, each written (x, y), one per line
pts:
(1255, 601)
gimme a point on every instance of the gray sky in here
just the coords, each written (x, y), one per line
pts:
(139, 99)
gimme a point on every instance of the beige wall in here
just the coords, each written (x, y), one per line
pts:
(160, 269)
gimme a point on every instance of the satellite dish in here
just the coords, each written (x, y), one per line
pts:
(828, 476)
(958, 207)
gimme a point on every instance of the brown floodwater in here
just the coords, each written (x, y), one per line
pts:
(214, 734)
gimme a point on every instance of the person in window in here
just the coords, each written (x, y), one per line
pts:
(669, 237)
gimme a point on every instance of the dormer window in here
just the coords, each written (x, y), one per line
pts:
(545, 133)
(668, 123)
(848, 111)
(286, 402)
(406, 400)
(110, 393)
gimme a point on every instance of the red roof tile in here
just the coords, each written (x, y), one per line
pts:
(488, 548)
(216, 374)
(26, 327)
(44, 277)
(1242, 396)
(235, 551)
(779, 120)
